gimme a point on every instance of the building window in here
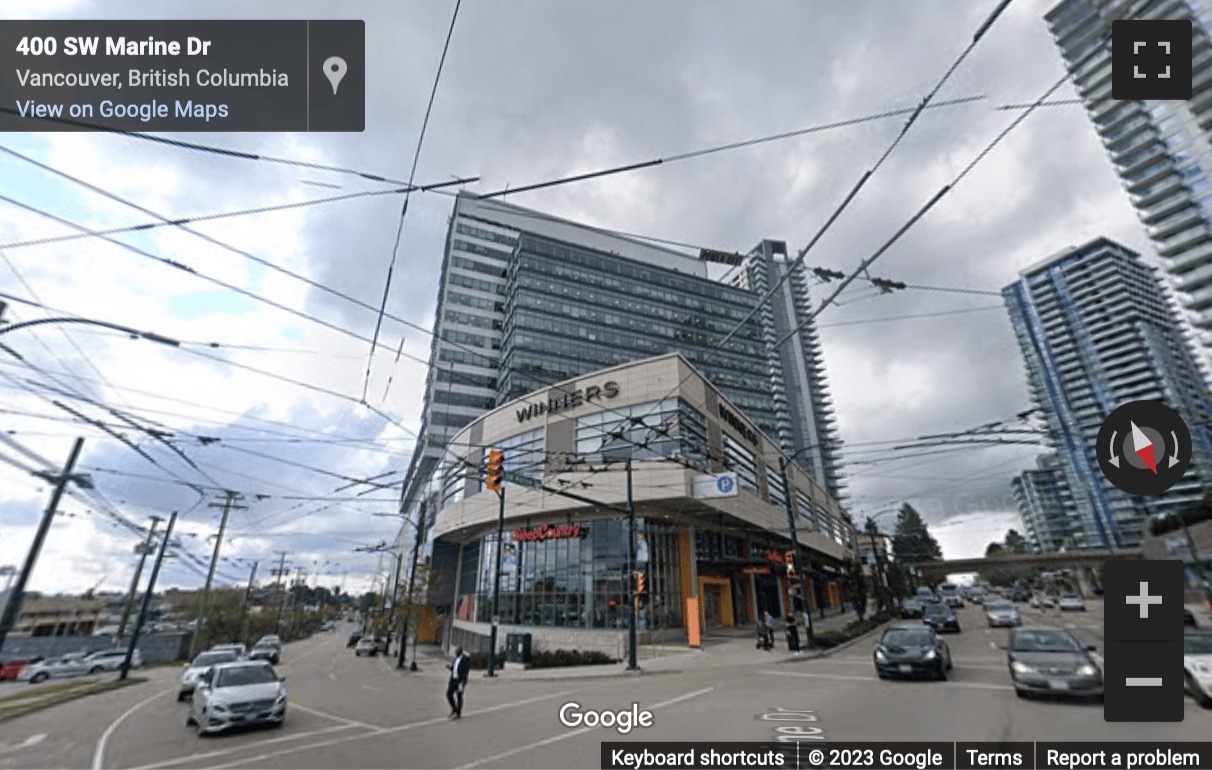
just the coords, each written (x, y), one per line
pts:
(777, 487)
(739, 459)
(651, 431)
(524, 455)
(804, 506)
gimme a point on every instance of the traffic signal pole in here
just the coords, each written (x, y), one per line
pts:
(496, 482)
(147, 598)
(632, 664)
(798, 562)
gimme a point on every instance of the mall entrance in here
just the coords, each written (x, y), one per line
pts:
(767, 595)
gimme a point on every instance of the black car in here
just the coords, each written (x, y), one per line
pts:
(1020, 595)
(940, 617)
(911, 607)
(911, 650)
(1047, 660)
(353, 639)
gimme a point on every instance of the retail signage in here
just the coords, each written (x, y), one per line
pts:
(740, 427)
(558, 402)
(774, 557)
(549, 532)
(715, 485)
(756, 570)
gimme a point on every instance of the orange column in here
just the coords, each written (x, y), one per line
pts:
(686, 568)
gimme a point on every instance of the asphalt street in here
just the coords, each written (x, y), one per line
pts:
(361, 712)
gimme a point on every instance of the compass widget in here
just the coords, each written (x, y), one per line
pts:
(1144, 448)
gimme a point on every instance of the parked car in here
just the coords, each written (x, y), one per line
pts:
(1049, 660)
(200, 665)
(911, 650)
(1197, 663)
(369, 645)
(111, 660)
(940, 617)
(1071, 602)
(12, 669)
(353, 639)
(266, 651)
(72, 664)
(1002, 613)
(235, 647)
(238, 693)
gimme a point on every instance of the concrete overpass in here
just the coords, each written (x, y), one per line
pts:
(1084, 563)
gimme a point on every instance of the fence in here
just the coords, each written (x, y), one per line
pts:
(154, 648)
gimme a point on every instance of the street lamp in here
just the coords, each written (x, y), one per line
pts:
(790, 504)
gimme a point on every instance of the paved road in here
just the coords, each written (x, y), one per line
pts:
(360, 712)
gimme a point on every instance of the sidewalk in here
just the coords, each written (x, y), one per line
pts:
(721, 647)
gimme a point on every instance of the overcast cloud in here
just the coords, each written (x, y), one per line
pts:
(532, 91)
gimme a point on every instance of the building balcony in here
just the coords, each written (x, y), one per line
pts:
(1192, 236)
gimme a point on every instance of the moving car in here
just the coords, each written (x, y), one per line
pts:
(273, 639)
(111, 660)
(239, 693)
(368, 645)
(911, 650)
(950, 595)
(1197, 663)
(1019, 595)
(263, 650)
(940, 617)
(924, 595)
(72, 664)
(1070, 601)
(911, 607)
(1002, 613)
(977, 594)
(235, 647)
(1043, 659)
(353, 639)
(194, 671)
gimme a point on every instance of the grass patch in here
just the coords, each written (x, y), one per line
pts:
(35, 697)
(838, 636)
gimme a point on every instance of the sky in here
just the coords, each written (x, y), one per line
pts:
(264, 396)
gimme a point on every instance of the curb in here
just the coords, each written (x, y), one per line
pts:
(843, 646)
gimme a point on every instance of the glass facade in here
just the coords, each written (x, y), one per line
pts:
(572, 310)
(666, 428)
(573, 576)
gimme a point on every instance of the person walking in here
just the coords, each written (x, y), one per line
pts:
(793, 634)
(460, 667)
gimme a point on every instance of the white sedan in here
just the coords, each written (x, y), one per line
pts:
(1070, 602)
(235, 694)
(1197, 663)
(73, 664)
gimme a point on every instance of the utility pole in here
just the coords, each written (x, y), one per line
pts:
(395, 592)
(294, 601)
(252, 575)
(147, 598)
(278, 573)
(201, 622)
(16, 595)
(144, 550)
(632, 641)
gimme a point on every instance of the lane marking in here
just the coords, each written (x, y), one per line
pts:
(99, 753)
(574, 733)
(846, 678)
(246, 761)
(333, 717)
(33, 740)
(222, 752)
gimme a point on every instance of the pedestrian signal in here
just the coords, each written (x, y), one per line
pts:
(496, 470)
(641, 583)
(789, 560)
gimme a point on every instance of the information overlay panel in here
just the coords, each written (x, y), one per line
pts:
(931, 755)
(167, 76)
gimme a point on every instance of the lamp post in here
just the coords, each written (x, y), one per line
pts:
(91, 322)
(418, 536)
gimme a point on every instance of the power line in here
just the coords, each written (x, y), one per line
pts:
(726, 147)
(936, 314)
(416, 156)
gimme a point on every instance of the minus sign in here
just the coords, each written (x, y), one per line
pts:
(1144, 681)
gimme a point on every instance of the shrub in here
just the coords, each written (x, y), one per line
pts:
(479, 660)
(565, 658)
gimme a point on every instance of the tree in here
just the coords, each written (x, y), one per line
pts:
(898, 581)
(912, 542)
(856, 587)
(994, 550)
(1016, 543)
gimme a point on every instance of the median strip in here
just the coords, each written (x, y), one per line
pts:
(36, 697)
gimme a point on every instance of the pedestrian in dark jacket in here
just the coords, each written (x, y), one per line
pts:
(460, 667)
(793, 634)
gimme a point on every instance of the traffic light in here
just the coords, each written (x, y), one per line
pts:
(789, 560)
(641, 583)
(496, 470)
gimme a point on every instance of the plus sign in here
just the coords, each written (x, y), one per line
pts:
(1144, 600)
